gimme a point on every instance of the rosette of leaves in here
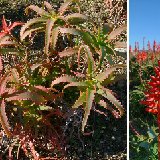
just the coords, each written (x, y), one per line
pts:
(91, 86)
(16, 87)
(101, 42)
(49, 21)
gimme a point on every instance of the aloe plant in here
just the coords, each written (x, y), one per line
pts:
(21, 90)
(25, 86)
(91, 86)
(49, 21)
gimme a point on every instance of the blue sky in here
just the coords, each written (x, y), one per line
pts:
(144, 21)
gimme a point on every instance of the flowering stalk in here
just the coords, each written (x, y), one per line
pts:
(141, 57)
(153, 98)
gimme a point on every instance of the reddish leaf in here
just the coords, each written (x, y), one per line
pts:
(64, 78)
(35, 97)
(4, 120)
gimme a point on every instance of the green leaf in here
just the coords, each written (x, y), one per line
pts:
(80, 100)
(110, 50)
(89, 39)
(151, 133)
(107, 28)
(102, 55)
(144, 145)
(89, 101)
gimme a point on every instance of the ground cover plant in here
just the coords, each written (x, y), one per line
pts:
(144, 98)
(45, 88)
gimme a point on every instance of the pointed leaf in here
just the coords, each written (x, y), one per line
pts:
(8, 43)
(48, 5)
(70, 31)
(104, 75)
(15, 24)
(89, 39)
(64, 78)
(64, 6)
(46, 93)
(4, 24)
(3, 82)
(49, 25)
(36, 98)
(68, 52)
(55, 33)
(107, 27)
(114, 112)
(34, 66)
(2, 34)
(37, 9)
(116, 32)
(30, 31)
(15, 75)
(80, 100)
(1, 65)
(30, 23)
(76, 84)
(120, 45)
(89, 101)
(4, 120)
(76, 18)
(89, 57)
(108, 95)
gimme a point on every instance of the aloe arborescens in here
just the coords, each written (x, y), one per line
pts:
(153, 98)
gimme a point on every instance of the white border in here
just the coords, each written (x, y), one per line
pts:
(127, 79)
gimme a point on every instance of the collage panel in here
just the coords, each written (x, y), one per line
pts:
(144, 80)
(63, 79)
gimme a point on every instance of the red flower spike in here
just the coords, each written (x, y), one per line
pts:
(6, 29)
(149, 46)
(152, 95)
(141, 56)
(154, 46)
(130, 48)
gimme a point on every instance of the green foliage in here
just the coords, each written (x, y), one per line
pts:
(27, 84)
(144, 130)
